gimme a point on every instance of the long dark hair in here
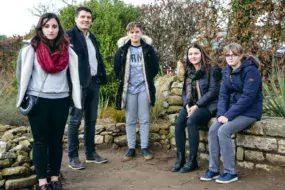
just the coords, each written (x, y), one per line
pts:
(60, 43)
(205, 59)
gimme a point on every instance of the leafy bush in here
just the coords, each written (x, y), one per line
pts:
(274, 93)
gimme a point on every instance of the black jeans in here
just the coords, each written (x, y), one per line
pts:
(201, 117)
(89, 102)
(48, 120)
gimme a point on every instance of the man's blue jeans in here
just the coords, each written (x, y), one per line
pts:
(89, 101)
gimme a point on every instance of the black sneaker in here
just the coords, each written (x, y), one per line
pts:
(147, 155)
(130, 154)
(75, 164)
(96, 159)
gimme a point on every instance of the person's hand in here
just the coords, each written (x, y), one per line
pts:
(223, 119)
(191, 110)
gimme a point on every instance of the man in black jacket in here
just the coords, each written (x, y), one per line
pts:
(92, 74)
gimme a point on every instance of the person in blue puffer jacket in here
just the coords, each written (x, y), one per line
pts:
(239, 105)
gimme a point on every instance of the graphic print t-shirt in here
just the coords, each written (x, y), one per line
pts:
(136, 81)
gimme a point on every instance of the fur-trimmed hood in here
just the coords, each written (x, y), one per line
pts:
(122, 41)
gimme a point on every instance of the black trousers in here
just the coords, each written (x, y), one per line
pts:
(201, 117)
(89, 102)
(48, 120)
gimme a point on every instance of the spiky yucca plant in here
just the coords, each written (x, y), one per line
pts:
(274, 93)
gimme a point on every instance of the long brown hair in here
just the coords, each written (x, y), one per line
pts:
(59, 43)
(206, 60)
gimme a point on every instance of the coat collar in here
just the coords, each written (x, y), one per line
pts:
(126, 40)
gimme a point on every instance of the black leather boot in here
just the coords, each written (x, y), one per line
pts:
(180, 161)
(191, 165)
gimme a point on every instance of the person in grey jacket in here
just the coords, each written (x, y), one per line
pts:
(48, 70)
(200, 97)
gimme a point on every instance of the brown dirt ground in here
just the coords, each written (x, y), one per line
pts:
(156, 175)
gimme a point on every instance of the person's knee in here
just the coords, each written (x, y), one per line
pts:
(131, 120)
(191, 121)
(223, 133)
(74, 123)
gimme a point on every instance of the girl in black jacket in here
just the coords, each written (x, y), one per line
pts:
(200, 97)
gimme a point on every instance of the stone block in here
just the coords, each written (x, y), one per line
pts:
(99, 139)
(25, 143)
(19, 147)
(21, 183)
(3, 147)
(164, 83)
(177, 84)
(261, 143)
(7, 136)
(172, 130)
(275, 158)
(173, 109)
(281, 146)
(174, 100)
(19, 130)
(110, 127)
(240, 153)
(81, 136)
(203, 136)
(255, 129)
(163, 132)
(154, 137)
(2, 183)
(268, 168)
(202, 147)
(17, 140)
(5, 163)
(121, 127)
(106, 133)
(164, 126)
(99, 129)
(165, 104)
(22, 159)
(172, 141)
(244, 164)
(8, 155)
(109, 139)
(176, 91)
(254, 155)
(121, 140)
(172, 118)
(154, 128)
(274, 127)
(166, 93)
(4, 128)
(204, 156)
(15, 171)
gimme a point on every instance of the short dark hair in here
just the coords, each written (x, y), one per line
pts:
(83, 9)
(60, 41)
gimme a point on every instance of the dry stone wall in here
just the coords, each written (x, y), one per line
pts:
(16, 168)
(262, 146)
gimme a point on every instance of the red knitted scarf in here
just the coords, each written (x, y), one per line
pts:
(52, 62)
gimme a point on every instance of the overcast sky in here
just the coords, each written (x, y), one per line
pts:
(15, 18)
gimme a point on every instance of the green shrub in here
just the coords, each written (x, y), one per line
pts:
(274, 93)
